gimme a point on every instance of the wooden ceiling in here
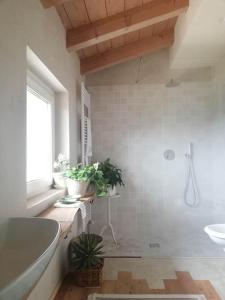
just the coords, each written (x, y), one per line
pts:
(107, 32)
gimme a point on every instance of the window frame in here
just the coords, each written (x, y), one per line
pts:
(39, 88)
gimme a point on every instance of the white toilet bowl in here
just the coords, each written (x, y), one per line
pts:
(216, 232)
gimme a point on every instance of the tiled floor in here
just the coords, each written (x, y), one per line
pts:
(155, 276)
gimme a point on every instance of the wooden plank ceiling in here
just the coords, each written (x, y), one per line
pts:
(107, 32)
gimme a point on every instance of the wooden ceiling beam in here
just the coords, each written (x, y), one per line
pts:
(134, 19)
(127, 52)
(50, 3)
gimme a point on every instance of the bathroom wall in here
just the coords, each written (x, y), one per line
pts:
(134, 124)
(26, 23)
(155, 68)
(218, 81)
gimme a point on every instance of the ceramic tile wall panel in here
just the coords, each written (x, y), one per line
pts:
(134, 125)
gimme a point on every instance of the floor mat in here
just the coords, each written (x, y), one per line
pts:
(145, 297)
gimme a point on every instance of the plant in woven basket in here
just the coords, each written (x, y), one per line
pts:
(85, 256)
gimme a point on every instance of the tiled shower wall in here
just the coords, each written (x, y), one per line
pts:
(134, 125)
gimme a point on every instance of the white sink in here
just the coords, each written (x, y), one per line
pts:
(26, 247)
(216, 233)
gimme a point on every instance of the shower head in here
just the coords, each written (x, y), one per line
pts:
(172, 83)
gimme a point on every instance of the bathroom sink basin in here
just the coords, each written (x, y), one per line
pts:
(26, 247)
(216, 233)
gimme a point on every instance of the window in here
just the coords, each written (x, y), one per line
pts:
(40, 102)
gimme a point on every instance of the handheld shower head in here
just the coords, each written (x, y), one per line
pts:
(190, 152)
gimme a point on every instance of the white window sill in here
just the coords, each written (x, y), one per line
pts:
(37, 204)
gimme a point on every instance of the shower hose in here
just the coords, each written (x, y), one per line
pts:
(191, 181)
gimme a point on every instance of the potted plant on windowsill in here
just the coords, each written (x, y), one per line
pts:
(112, 175)
(60, 166)
(86, 261)
(80, 177)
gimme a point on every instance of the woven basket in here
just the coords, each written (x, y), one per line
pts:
(89, 277)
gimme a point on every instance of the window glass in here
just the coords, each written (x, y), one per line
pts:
(39, 138)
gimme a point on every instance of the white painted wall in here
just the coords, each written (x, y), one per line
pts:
(134, 124)
(26, 23)
(199, 35)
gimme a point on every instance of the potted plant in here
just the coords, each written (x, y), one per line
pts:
(79, 178)
(112, 175)
(85, 258)
(98, 181)
(60, 166)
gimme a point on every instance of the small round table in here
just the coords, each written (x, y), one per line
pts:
(109, 224)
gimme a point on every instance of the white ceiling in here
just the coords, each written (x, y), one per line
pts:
(200, 35)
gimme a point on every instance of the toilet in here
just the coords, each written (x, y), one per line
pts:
(216, 233)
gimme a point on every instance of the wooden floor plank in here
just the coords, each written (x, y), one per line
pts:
(187, 283)
(207, 289)
(109, 287)
(123, 283)
(124, 276)
(126, 284)
(64, 289)
(172, 286)
(139, 286)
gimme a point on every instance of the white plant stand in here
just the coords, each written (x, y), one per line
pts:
(109, 224)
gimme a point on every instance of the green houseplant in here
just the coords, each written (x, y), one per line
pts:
(112, 175)
(86, 260)
(79, 178)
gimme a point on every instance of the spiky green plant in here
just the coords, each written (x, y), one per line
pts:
(85, 251)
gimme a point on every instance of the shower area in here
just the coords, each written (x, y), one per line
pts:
(168, 137)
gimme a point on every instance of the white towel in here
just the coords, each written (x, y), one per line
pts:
(83, 210)
(89, 139)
